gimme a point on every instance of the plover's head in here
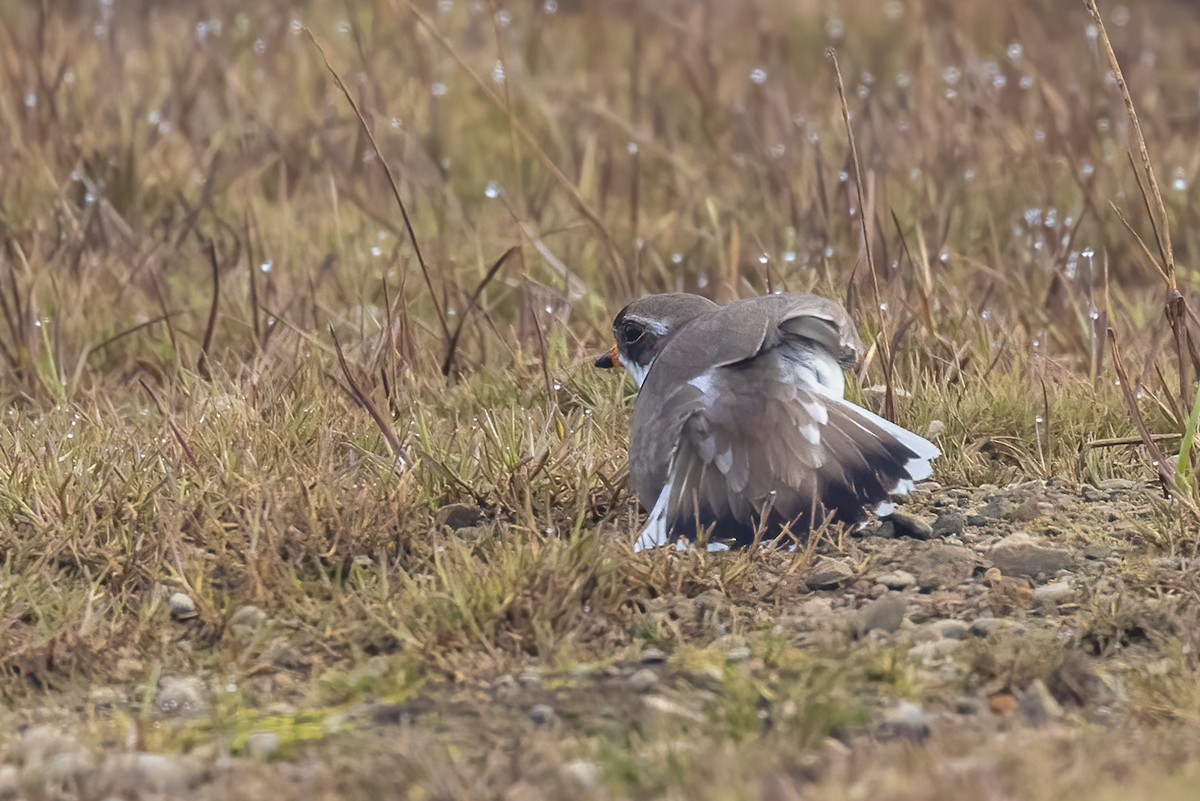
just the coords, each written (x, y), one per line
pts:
(642, 328)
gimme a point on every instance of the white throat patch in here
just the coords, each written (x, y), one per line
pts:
(638, 371)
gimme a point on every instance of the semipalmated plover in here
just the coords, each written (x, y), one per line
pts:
(740, 428)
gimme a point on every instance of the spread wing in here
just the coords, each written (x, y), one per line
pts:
(756, 452)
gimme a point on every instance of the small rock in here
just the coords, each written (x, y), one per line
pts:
(653, 656)
(739, 654)
(1021, 555)
(246, 621)
(884, 614)
(1117, 485)
(1053, 593)
(40, 743)
(657, 709)
(827, 573)
(181, 697)
(949, 524)
(10, 782)
(583, 773)
(906, 720)
(262, 744)
(966, 705)
(643, 680)
(906, 525)
(983, 626)
(928, 653)
(1038, 705)
(541, 714)
(459, 515)
(1097, 551)
(953, 630)
(505, 686)
(997, 508)
(1003, 704)
(530, 678)
(897, 580)
(68, 767)
(1027, 510)
(140, 773)
(181, 606)
(937, 565)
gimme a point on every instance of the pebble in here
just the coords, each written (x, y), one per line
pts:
(68, 767)
(906, 720)
(1038, 705)
(246, 621)
(1053, 593)
(934, 651)
(827, 573)
(657, 709)
(653, 656)
(505, 686)
(584, 773)
(40, 743)
(1020, 554)
(459, 515)
(541, 714)
(10, 782)
(953, 630)
(897, 580)
(967, 705)
(884, 614)
(181, 606)
(262, 744)
(643, 680)
(937, 565)
(142, 772)
(983, 626)
(907, 525)
(949, 524)
(181, 697)
(739, 654)
(530, 678)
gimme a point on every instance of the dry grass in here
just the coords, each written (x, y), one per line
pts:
(189, 206)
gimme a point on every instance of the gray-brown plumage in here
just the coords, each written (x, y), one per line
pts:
(740, 427)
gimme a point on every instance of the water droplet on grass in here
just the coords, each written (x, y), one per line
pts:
(1015, 50)
(266, 266)
(758, 75)
(438, 89)
(550, 7)
(498, 72)
(493, 190)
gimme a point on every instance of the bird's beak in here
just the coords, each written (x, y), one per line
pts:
(609, 360)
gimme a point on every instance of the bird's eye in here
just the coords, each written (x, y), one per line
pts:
(632, 332)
